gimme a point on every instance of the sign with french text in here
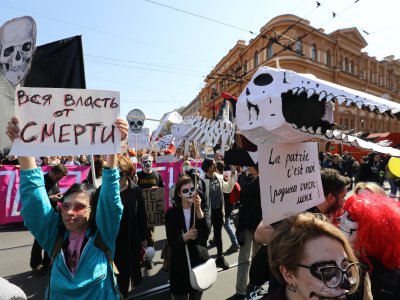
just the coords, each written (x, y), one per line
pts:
(154, 204)
(290, 179)
(66, 122)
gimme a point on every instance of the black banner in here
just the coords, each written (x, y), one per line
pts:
(58, 65)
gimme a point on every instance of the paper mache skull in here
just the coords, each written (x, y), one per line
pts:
(281, 106)
(17, 44)
(135, 120)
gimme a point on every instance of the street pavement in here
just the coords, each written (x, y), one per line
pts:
(16, 243)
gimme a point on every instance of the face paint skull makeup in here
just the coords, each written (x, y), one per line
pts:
(147, 164)
(348, 226)
(187, 192)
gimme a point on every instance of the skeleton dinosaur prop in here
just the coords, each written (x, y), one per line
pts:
(281, 106)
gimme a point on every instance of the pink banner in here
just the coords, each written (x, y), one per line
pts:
(10, 204)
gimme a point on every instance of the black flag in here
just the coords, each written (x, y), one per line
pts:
(58, 65)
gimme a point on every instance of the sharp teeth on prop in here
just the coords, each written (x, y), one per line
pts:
(310, 129)
(304, 128)
(318, 131)
(329, 134)
(348, 101)
(294, 126)
(321, 96)
(295, 90)
(329, 97)
(340, 99)
(310, 92)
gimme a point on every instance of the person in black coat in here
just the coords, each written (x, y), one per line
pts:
(185, 224)
(132, 235)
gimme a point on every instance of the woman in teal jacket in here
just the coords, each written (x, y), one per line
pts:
(80, 270)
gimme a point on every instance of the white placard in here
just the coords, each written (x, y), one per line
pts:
(290, 179)
(166, 158)
(139, 140)
(66, 122)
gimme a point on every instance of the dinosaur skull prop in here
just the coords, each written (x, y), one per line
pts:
(281, 106)
(17, 41)
(135, 120)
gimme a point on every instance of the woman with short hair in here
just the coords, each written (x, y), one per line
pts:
(312, 259)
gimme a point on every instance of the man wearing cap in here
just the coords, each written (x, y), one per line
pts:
(149, 179)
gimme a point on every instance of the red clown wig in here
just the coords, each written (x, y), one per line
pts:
(378, 233)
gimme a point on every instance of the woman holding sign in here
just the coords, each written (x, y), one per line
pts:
(185, 224)
(84, 232)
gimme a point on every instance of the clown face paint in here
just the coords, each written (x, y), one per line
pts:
(348, 226)
(324, 252)
(147, 165)
(187, 192)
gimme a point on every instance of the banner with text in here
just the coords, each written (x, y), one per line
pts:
(10, 204)
(290, 180)
(66, 122)
(155, 206)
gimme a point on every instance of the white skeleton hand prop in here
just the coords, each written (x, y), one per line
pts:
(205, 131)
(17, 44)
(282, 106)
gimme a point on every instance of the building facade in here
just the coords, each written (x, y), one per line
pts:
(336, 57)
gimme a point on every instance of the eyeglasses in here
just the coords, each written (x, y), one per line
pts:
(185, 191)
(332, 276)
(78, 208)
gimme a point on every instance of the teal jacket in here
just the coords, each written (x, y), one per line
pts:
(93, 277)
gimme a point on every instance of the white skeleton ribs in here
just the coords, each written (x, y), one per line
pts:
(17, 42)
(205, 131)
(281, 106)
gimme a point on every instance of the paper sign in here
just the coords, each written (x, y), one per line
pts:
(166, 158)
(139, 140)
(290, 179)
(154, 203)
(66, 122)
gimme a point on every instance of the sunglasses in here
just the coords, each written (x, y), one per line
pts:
(332, 276)
(78, 208)
(186, 191)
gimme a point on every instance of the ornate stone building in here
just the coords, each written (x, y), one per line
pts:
(336, 57)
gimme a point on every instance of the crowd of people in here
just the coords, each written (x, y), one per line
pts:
(94, 240)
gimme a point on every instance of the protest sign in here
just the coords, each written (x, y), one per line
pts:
(154, 203)
(290, 180)
(166, 158)
(140, 140)
(66, 122)
(10, 204)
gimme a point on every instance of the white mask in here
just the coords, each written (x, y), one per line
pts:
(348, 226)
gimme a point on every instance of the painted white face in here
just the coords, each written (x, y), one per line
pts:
(146, 163)
(187, 192)
(348, 226)
(324, 255)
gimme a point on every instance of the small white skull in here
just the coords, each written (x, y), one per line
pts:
(17, 40)
(135, 120)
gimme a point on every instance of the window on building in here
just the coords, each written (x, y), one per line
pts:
(255, 59)
(352, 123)
(346, 64)
(269, 51)
(352, 66)
(299, 47)
(362, 124)
(328, 58)
(245, 67)
(371, 126)
(314, 52)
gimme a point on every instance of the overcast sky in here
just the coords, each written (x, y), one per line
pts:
(157, 53)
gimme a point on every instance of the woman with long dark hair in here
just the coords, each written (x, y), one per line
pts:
(185, 224)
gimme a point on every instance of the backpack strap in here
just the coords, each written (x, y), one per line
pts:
(99, 243)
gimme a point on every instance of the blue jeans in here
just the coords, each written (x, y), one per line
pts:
(393, 188)
(229, 229)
